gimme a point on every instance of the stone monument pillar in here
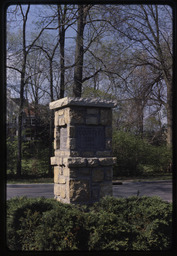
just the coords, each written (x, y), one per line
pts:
(83, 149)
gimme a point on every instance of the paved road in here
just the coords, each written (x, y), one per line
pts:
(29, 190)
(146, 188)
(153, 188)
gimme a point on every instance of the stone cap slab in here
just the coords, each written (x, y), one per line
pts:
(90, 102)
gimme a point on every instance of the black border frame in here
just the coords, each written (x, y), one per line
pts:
(3, 7)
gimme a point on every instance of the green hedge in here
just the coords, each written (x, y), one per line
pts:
(35, 158)
(135, 223)
(137, 157)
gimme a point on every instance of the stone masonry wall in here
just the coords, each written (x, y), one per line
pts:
(83, 150)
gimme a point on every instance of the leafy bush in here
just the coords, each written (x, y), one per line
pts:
(35, 158)
(62, 229)
(23, 218)
(136, 156)
(135, 223)
(11, 155)
(44, 224)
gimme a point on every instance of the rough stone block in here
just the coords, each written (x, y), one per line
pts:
(73, 172)
(106, 117)
(56, 174)
(53, 160)
(108, 144)
(79, 190)
(92, 162)
(82, 102)
(74, 153)
(66, 171)
(97, 174)
(71, 131)
(62, 153)
(61, 170)
(77, 116)
(55, 132)
(108, 173)
(63, 192)
(95, 193)
(67, 115)
(61, 121)
(56, 119)
(60, 112)
(106, 189)
(61, 180)
(77, 162)
(84, 171)
(71, 144)
(106, 161)
(57, 189)
(55, 144)
(64, 162)
(108, 132)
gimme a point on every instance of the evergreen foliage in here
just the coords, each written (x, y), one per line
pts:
(114, 224)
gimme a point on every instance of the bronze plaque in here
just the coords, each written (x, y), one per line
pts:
(90, 138)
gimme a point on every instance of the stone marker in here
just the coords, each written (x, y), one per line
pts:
(83, 149)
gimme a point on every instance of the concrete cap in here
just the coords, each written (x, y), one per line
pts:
(90, 102)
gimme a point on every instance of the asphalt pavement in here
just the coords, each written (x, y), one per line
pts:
(30, 190)
(162, 189)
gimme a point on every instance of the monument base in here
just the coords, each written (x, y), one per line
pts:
(82, 180)
(83, 150)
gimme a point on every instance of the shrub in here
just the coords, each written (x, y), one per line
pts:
(138, 223)
(23, 217)
(136, 156)
(135, 223)
(44, 224)
(62, 229)
(11, 155)
(35, 158)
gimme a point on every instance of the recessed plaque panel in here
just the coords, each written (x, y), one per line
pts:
(90, 138)
(63, 138)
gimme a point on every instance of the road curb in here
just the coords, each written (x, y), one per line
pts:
(114, 182)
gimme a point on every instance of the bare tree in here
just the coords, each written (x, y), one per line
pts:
(24, 52)
(149, 27)
(79, 51)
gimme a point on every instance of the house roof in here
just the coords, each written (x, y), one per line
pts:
(29, 112)
(17, 101)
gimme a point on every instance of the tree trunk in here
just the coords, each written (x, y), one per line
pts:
(50, 142)
(62, 64)
(22, 85)
(61, 24)
(169, 113)
(20, 123)
(51, 121)
(79, 54)
(168, 81)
